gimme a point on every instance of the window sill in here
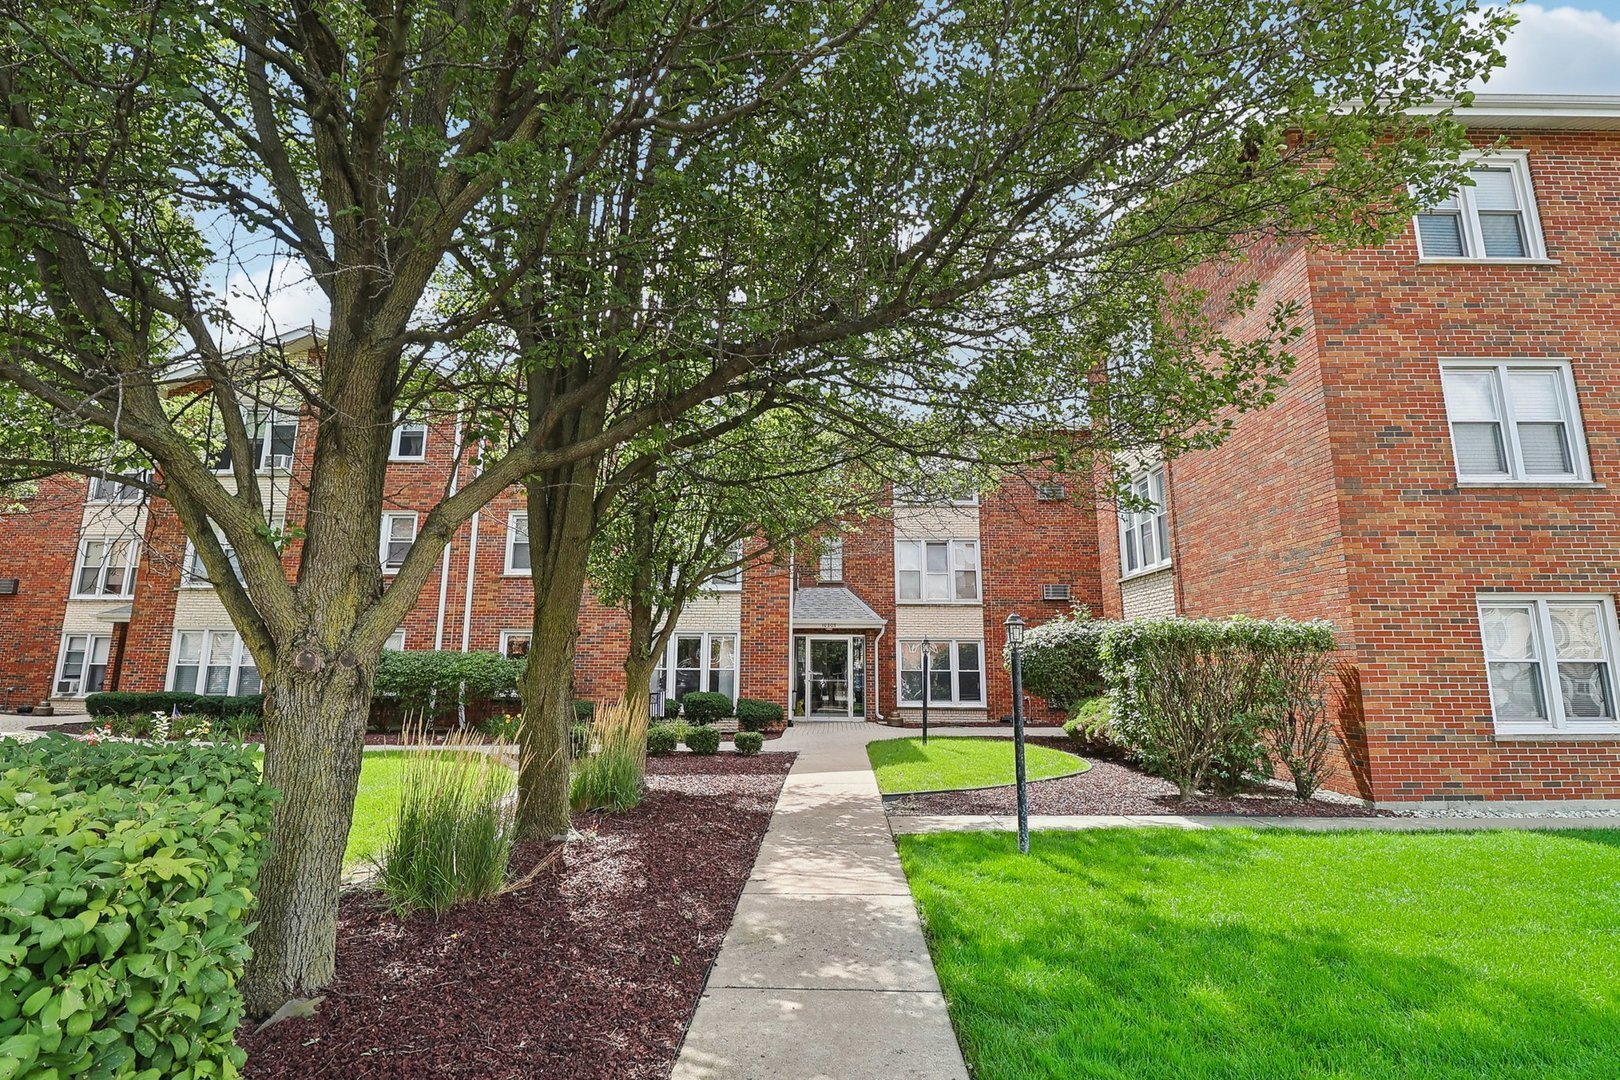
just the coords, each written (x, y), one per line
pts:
(1465, 260)
(939, 603)
(1147, 571)
(1605, 735)
(517, 573)
(954, 706)
(407, 460)
(102, 597)
(1577, 485)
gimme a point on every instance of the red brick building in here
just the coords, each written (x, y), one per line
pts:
(1436, 479)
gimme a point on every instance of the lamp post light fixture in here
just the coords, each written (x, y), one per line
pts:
(1015, 642)
(927, 654)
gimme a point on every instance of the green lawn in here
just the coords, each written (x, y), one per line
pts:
(1240, 955)
(907, 765)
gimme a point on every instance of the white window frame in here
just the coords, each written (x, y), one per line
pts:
(396, 640)
(1516, 474)
(508, 635)
(385, 536)
(239, 659)
(664, 677)
(107, 491)
(80, 690)
(953, 647)
(1134, 524)
(400, 427)
(909, 496)
(830, 564)
(263, 429)
(515, 520)
(128, 544)
(728, 580)
(194, 575)
(954, 562)
(1517, 163)
(1557, 723)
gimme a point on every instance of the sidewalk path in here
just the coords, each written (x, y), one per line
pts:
(824, 972)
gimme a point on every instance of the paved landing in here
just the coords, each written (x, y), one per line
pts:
(824, 972)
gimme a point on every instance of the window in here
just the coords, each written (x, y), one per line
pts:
(1550, 661)
(271, 439)
(1514, 421)
(517, 543)
(212, 662)
(831, 567)
(706, 662)
(398, 534)
(410, 441)
(82, 668)
(1494, 218)
(1051, 493)
(1144, 534)
(937, 571)
(729, 580)
(106, 567)
(194, 575)
(955, 673)
(107, 490)
(515, 644)
(396, 641)
(913, 496)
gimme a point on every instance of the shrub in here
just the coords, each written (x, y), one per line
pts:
(672, 709)
(1061, 659)
(584, 711)
(452, 835)
(1192, 696)
(611, 778)
(130, 725)
(128, 703)
(430, 684)
(1091, 724)
(579, 739)
(705, 708)
(502, 726)
(748, 743)
(1298, 730)
(662, 739)
(702, 739)
(237, 726)
(126, 876)
(756, 715)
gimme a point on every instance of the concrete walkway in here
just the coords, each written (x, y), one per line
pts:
(824, 973)
(935, 823)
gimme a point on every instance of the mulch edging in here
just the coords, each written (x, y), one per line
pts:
(1114, 788)
(594, 970)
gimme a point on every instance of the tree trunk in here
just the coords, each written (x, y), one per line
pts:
(314, 732)
(638, 670)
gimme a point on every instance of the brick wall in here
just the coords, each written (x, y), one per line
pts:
(38, 545)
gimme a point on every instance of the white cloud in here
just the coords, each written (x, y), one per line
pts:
(272, 298)
(1560, 50)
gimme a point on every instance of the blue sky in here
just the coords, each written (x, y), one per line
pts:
(1562, 50)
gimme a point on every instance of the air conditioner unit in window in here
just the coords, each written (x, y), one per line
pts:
(8, 586)
(280, 463)
(1051, 493)
(1054, 592)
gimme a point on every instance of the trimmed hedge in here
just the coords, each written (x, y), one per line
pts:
(702, 707)
(662, 739)
(748, 743)
(126, 876)
(128, 703)
(1061, 659)
(432, 681)
(702, 739)
(756, 715)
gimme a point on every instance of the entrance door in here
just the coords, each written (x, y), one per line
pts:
(829, 677)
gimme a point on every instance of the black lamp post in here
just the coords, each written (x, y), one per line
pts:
(928, 653)
(1015, 641)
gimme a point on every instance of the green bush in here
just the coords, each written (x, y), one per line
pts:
(126, 876)
(748, 743)
(701, 707)
(433, 682)
(672, 709)
(610, 778)
(452, 835)
(756, 715)
(1091, 724)
(1192, 697)
(662, 739)
(131, 725)
(502, 726)
(579, 739)
(1061, 659)
(127, 703)
(703, 739)
(584, 711)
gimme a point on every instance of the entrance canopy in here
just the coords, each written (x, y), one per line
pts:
(833, 607)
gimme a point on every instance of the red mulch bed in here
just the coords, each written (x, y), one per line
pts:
(1112, 787)
(593, 970)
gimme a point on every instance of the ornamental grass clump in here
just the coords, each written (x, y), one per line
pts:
(611, 777)
(452, 838)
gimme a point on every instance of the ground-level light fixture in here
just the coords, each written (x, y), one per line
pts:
(927, 655)
(1014, 625)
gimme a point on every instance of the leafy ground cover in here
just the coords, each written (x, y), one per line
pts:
(904, 765)
(1248, 956)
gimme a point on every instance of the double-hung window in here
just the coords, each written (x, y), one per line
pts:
(729, 579)
(831, 567)
(955, 673)
(922, 496)
(105, 489)
(937, 571)
(1144, 529)
(1494, 217)
(515, 644)
(212, 662)
(410, 441)
(517, 544)
(397, 536)
(194, 574)
(1514, 422)
(106, 567)
(270, 441)
(1551, 662)
(706, 662)
(82, 668)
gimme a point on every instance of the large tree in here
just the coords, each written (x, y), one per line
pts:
(627, 209)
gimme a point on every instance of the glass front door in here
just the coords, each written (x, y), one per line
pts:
(829, 676)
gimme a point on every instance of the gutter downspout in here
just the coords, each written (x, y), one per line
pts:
(877, 673)
(792, 641)
(472, 571)
(444, 567)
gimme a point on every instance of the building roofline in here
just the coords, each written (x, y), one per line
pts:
(1573, 112)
